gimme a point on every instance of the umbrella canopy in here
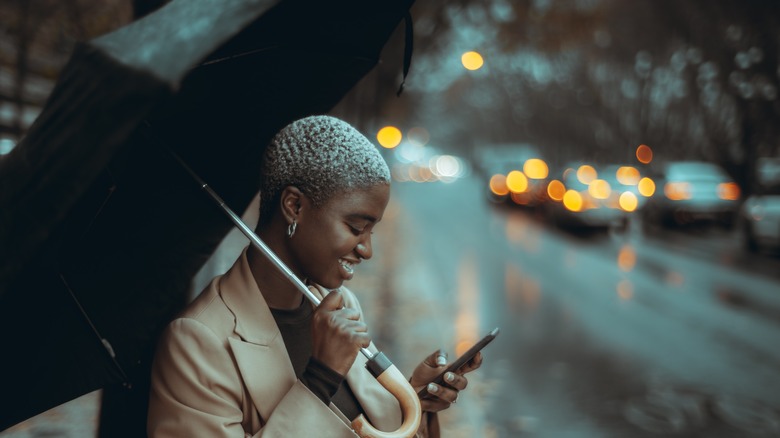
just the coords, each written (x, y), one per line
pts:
(101, 230)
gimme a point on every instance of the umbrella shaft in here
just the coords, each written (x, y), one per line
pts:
(255, 240)
(259, 244)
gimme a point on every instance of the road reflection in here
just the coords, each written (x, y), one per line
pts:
(614, 334)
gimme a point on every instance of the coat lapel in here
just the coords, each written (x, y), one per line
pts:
(259, 349)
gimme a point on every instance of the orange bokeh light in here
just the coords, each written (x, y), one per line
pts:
(472, 60)
(516, 182)
(572, 200)
(644, 154)
(389, 137)
(627, 175)
(646, 187)
(729, 191)
(555, 190)
(586, 174)
(677, 191)
(536, 168)
(498, 185)
(628, 201)
(599, 189)
(626, 258)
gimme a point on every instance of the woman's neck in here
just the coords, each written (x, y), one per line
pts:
(278, 291)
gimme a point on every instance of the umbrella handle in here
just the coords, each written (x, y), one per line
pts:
(395, 383)
(378, 364)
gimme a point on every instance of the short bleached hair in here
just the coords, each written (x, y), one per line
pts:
(321, 156)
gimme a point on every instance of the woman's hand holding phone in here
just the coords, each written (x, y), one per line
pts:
(438, 383)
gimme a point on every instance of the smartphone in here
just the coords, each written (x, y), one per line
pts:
(460, 361)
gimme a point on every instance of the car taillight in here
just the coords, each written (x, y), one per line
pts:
(677, 191)
(728, 191)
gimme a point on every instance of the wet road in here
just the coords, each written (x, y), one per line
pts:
(671, 333)
(626, 334)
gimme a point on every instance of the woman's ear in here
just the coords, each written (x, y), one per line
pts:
(290, 202)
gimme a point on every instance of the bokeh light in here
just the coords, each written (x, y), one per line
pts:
(446, 166)
(599, 189)
(728, 191)
(555, 190)
(626, 258)
(677, 191)
(472, 60)
(389, 137)
(644, 154)
(628, 201)
(498, 185)
(572, 200)
(586, 174)
(646, 187)
(627, 175)
(516, 181)
(536, 168)
(418, 136)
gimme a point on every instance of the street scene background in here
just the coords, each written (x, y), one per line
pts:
(621, 313)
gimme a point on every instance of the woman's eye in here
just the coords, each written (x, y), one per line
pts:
(356, 230)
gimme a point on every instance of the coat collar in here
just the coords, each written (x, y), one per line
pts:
(255, 325)
(239, 291)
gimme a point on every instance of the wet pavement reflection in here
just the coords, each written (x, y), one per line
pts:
(624, 333)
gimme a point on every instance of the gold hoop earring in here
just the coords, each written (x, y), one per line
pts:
(291, 228)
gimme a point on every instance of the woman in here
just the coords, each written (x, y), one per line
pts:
(250, 356)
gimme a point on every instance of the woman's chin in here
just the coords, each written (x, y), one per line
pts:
(328, 283)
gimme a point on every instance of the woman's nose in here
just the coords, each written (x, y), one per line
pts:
(364, 248)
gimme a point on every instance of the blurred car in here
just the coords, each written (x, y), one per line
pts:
(515, 174)
(693, 191)
(625, 182)
(583, 197)
(760, 213)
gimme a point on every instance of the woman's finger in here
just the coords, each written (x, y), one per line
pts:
(471, 365)
(436, 359)
(332, 301)
(456, 381)
(443, 393)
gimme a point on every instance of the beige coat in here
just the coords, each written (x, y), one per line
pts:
(222, 370)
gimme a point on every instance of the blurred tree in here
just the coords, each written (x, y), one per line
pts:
(592, 79)
(704, 83)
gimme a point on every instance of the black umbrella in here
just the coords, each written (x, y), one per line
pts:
(101, 230)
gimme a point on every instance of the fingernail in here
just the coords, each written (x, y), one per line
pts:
(449, 377)
(433, 388)
(441, 359)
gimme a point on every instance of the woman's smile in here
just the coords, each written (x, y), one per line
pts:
(348, 268)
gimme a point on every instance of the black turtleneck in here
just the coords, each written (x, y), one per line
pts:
(324, 382)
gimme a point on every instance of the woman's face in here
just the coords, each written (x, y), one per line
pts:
(332, 239)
